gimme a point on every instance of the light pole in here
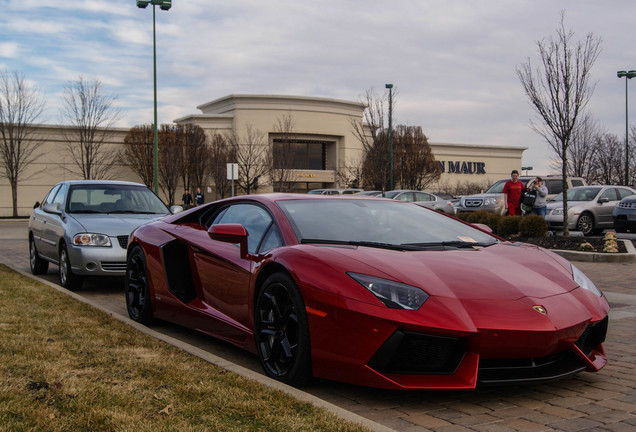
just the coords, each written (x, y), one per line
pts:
(390, 87)
(163, 5)
(628, 75)
(526, 169)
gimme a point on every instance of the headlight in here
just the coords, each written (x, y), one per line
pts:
(557, 211)
(491, 201)
(584, 282)
(394, 295)
(90, 239)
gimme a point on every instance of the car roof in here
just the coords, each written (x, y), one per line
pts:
(102, 182)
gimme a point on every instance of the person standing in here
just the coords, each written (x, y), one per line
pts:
(512, 194)
(199, 198)
(187, 200)
(540, 205)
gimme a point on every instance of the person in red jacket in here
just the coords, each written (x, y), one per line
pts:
(512, 194)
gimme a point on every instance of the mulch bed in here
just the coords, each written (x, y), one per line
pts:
(569, 243)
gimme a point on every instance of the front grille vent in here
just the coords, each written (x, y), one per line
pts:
(114, 266)
(123, 241)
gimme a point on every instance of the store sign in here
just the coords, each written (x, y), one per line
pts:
(460, 167)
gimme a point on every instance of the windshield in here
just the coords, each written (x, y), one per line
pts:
(114, 198)
(579, 194)
(355, 221)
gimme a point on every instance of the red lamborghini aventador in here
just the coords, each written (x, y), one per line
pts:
(368, 291)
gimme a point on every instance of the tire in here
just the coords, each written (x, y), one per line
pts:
(585, 224)
(137, 287)
(282, 332)
(68, 279)
(38, 265)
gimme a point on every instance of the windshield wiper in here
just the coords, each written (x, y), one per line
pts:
(390, 246)
(452, 244)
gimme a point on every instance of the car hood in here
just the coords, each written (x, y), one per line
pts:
(482, 195)
(503, 271)
(114, 224)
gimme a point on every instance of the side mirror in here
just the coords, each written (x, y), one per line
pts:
(174, 209)
(603, 200)
(36, 205)
(230, 233)
(52, 208)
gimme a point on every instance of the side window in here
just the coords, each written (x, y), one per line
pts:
(419, 196)
(610, 194)
(577, 182)
(60, 196)
(48, 199)
(554, 186)
(406, 196)
(255, 219)
(622, 193)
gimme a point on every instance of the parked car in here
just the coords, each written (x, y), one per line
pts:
(83, 227)
(370, 193)
(335, 191)
(367, 291)
(423, 199)
(625, 215)
(590, 208)
(493, 199)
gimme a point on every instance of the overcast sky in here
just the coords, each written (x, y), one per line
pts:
(452, 63)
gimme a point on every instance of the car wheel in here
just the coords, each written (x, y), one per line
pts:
(68, 279)
(38, 265)
(585, 224)
(137, 288)
(282, 332)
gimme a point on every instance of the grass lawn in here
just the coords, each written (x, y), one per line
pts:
(66, 366)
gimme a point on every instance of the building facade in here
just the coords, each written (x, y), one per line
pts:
(323, 136)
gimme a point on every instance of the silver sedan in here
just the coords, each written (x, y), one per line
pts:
(83, 227)
(423, 199)
(590, 208)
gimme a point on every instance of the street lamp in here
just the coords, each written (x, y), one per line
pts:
(163, 5)
(629, 75)
(526, 169)
(390, 87)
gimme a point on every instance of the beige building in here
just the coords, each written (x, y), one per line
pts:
(322, 131)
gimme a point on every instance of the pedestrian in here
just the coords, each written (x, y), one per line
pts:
(512, 194)
(199, 198)
(539, 206)
(187, 200)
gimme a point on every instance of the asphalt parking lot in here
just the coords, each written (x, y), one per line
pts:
(605, 401)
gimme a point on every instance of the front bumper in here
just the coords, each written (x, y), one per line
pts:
(99, 261)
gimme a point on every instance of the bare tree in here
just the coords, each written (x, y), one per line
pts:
(281, 158)
(220, 155)
(138, 153)
(351, 173)
(373, 135)
(559, 90)
(414, 164)
(170, 161)
(196, 155)
(581, 149)
(608, 160)
(91, 114)
(21, 106)
(251, 155)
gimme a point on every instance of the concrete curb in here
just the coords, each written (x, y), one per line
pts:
(221, 362)
(630, 256)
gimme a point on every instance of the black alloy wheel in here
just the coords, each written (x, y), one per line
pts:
(585, 224)
(38, 265)
(137, 288)
(68, 279)
(282, 331)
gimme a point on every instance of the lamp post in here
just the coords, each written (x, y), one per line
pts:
(628, 75)
(526, 169)
(390, 87)
(163, 5)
